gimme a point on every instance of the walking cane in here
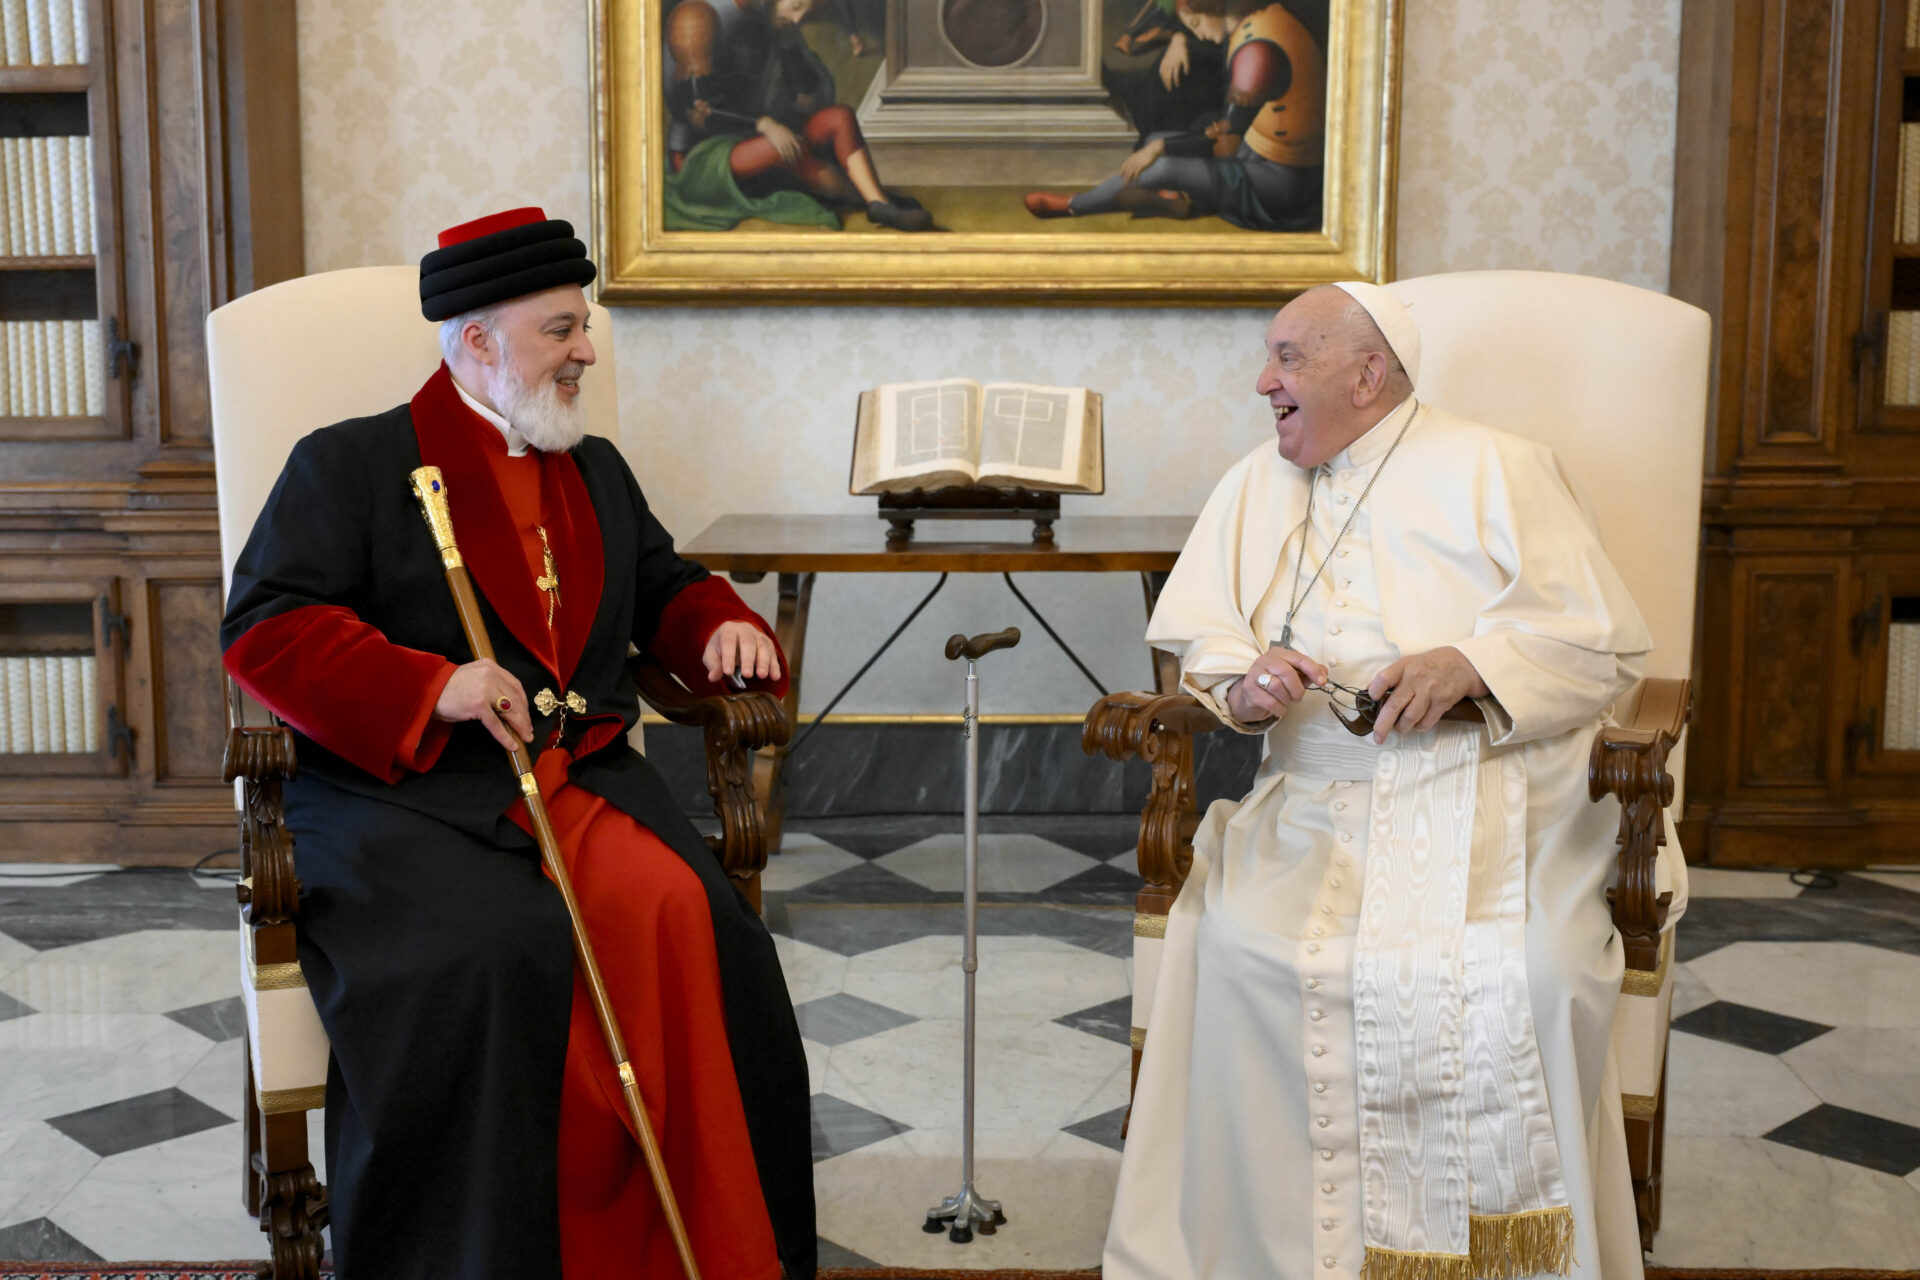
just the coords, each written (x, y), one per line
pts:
(431, 490)
(968, 1209)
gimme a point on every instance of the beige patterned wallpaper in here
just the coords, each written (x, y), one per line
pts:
(1537, 133)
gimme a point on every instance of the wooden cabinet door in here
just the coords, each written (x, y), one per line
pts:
(1883, 734)
(57, 620)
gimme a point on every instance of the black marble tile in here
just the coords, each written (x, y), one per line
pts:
(1873, 895)
(108, 906)
(841, 1018)
(1110, 1021)
(1104, 885)
(11, 1008)
(1815, 916)
(840, 1127)
(42, 1241)
(866, 883)
(219, 1020)
(1103, 1129)
(852, 930)
(138, 1122)
(834, 1255)
(1853, 1136)
(1748, 1027)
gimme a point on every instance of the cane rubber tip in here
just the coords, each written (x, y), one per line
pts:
(961, 1235)
(932, 1226)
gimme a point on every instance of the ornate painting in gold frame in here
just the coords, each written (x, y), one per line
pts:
(1049, 151)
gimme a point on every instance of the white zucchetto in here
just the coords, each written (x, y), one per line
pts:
(1396, 326)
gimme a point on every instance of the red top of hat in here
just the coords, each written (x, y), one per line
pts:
(491, 223)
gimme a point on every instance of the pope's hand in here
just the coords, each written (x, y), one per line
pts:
(1424, 687)
(474, 692)
(742, 647)
(1288, 673)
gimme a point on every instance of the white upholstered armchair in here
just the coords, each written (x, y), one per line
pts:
(283, 362)
(1614, 379)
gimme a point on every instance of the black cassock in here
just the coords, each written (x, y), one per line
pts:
(439, 955)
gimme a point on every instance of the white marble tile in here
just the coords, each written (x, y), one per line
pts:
(1689, 993)
(1747, 1202)
(13, 953)
(803, 859)
(1028, 1076)
(1870, 1069)
(817, 1057)
(38, 1166)
(1724, 1090)
(1128, 861)
(1008, 863)
(61, 1062)
(49, 875)
(177, 1199)
(811, 972)
(152, 971)
(1840, 984)
(1057, 1203)
(1724, 882)
(216, 1079)
(1024, 976)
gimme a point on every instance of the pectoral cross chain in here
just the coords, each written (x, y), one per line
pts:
(548, 581)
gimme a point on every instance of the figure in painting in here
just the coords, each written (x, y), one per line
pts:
(1258, 162)
(1183, 89)
(756, 131)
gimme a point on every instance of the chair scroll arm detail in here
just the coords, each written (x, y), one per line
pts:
(734, 726)
(263, 757)
(1629, 762)
(1157, 728)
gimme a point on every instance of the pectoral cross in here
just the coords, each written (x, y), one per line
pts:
(549, 581)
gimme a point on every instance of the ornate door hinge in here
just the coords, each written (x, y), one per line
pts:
(1865, 625)
(111, 622)
(121, 352)
(119, 733)
(1867, 342)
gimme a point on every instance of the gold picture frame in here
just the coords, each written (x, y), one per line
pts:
(643, 262)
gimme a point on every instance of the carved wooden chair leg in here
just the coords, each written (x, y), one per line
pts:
(293, 1208)
(250, 1189)
(1646, 1152)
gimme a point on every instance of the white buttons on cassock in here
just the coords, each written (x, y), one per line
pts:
(1319, 1049)
(1334, 883)
(1319, 932)
(1342, 553)
(1312, 947)
(1326, 1153)
(1323, 1122)
(1313, 984)
(1333, 631)
(1316, 1015)
(1326, 1224)
(1320, 1086)
(1346, 837)
(1339, 806)
(1342, 499)
(1331, 1262)
(1328, 1187)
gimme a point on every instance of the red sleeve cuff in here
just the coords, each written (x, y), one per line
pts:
(689, 621)
(426, 737)
(338, 681)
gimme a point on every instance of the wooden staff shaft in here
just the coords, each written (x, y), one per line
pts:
(431, 490)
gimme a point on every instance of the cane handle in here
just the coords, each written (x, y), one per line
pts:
(984, 643)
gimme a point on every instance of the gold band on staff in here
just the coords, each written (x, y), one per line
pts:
(431, 491)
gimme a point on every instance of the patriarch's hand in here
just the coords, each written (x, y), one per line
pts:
(474, 692)
(1424, 686)
(742, 647)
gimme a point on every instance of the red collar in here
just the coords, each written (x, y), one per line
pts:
(453, 438)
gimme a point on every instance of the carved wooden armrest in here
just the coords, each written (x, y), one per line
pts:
(263, 757)
(734, 726)
(1629, 761)
(1159, 729)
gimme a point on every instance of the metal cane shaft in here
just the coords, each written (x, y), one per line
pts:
(431, 490)
(970, 960)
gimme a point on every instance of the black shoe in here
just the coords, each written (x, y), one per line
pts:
(887, 213)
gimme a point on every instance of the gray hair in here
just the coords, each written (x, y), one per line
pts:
(451, 329)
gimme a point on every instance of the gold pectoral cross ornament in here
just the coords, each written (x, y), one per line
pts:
(549, 580)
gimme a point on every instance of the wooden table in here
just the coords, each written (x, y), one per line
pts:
(748, 548)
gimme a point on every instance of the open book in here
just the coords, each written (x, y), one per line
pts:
(1001, 435)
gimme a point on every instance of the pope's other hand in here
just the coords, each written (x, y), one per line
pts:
(474, 691)
(1289, 673)
(1423, 687)
(742, 647)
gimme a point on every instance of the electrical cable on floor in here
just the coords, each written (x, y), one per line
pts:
(1815, 878)
(1046, 627)
(864, 668)
(200, 871)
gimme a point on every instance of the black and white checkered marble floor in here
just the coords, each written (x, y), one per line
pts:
(1793, 1130)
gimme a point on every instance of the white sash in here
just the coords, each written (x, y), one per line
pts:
(1458, 1158)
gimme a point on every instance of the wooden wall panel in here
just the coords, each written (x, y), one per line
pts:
(189, 718)
(1788, 617)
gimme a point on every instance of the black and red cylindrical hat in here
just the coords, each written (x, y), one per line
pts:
(498, 257)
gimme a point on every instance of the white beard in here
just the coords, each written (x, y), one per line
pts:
(538, 412)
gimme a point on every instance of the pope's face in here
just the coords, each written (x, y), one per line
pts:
(1310, 379)
(545, 336)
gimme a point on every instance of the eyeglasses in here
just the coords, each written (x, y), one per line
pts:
(1342, 699)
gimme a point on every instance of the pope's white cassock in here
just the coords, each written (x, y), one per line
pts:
(1381, 1019)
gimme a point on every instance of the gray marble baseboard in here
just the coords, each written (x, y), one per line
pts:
(920, 768)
